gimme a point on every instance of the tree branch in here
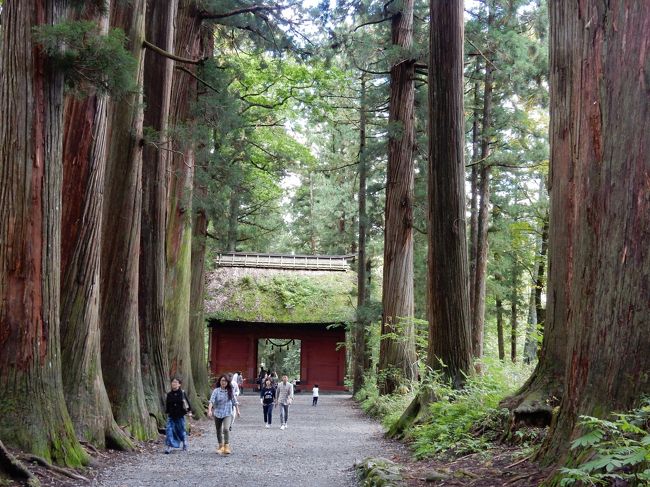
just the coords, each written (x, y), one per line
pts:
(245, 10)
(169, 55)
(481, 53)
(204, 83)
(371, 22)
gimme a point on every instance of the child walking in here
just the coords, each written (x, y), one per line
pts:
(314, 395)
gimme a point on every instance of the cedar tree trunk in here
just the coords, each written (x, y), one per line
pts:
(359, 358)
(473, 209)
(34, 413)
(397, 359)
(178, 249)
(600, 179)
(450, 347)
(84, 162)
(121, 223)
(155, 166)
(478, 312)
(197, 321)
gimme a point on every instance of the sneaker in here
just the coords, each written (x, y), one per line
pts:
(168, 450)
(267, 425)
(185, 447)
(282, 427)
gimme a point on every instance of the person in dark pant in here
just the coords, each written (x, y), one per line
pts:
(314, 395)
(284, 397)
(267, 398)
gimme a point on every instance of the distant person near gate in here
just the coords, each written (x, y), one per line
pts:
(284, 397)
(314, 395)
(267, 397)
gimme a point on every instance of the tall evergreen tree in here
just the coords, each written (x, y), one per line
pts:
(120, 252)
(31, 138)
(158, 71)
(84, 161)
(599, 222)
(397, 357)
(450, 348)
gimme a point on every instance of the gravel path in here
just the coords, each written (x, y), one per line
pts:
(317, 449)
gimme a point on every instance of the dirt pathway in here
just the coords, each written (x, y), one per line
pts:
(317, 449)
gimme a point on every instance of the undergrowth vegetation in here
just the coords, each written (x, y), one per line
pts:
(612, 450)
(461, 422)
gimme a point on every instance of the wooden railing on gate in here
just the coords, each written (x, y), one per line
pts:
(285, 261)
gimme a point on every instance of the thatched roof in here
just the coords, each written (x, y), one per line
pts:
(280, 296)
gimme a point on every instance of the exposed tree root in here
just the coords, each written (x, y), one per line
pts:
(416, 413)
(118, 439)
(92, 450)
(63, 471)
(533, 405)
(14, 468)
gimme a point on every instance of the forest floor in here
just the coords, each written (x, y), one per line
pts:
(319, 448)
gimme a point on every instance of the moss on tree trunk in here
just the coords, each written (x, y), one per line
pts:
(121, 224)
(34, 413)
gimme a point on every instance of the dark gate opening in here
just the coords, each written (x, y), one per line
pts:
(280, 355)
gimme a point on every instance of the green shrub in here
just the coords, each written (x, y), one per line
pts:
(386, 408)
(612, 450)
(465, 421)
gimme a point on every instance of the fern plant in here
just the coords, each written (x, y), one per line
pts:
(613, 450)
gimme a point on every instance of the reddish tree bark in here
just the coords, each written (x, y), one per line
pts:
(197, 321)
(158, 74)
(359, 349)
(121, 224)
(480, 274)
(473, 207)
(31, 137)
(500, 340)
(178, 248)
(84, 161)
(600, 209)
(450, 347)
(397, 357)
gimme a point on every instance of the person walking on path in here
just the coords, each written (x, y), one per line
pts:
(267, 397)
(235, 389)
(176, 407)
(222, 405)
(284, 397)
(261, 377)
(314, 395)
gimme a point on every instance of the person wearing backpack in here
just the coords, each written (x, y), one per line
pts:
(176, 407)
(267, 398)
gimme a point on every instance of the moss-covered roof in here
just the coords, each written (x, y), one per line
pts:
(280, 296)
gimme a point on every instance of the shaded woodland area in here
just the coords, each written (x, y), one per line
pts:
(486, 163)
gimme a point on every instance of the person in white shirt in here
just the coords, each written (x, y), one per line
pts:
(235, 383)
(314, 395)
(284, 397)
